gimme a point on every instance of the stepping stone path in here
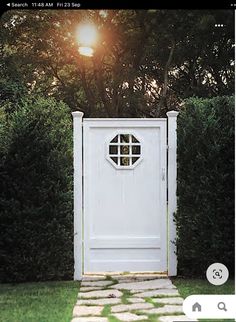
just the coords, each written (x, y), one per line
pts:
(128, 297)
(96, 283)
(130, 307)
(129, 317)
(86, 289)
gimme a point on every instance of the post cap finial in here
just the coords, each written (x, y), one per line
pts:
(172, 114)
(77, 114)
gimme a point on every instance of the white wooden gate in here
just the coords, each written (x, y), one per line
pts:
(122, 200)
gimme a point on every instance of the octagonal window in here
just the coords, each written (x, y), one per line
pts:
(124, 151)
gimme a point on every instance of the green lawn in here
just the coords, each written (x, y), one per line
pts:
(38, 302)
(188, 287)
(54, 301)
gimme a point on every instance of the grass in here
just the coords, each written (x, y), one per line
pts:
(106, 310)
(150, 300)
(113, 319)
(188, 287)
(38, 302)
(126, 295)
(54, 301)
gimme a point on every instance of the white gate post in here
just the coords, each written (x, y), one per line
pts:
(172, 185)
(77, 137)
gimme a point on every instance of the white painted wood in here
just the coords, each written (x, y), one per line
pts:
(172, 185)
(78, 195)
(125, 242)
(125, 224)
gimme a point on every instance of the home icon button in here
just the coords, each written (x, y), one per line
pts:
(196, 307)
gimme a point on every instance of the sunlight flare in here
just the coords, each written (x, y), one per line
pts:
(86, 51)
(87, 34)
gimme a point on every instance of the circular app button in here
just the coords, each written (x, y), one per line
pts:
(217, 274)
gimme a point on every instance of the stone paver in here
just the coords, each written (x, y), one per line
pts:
(175, 318)
(100, 294)
(127, 280)
(131, 307)
(137, 277)
(136, 300)
(161, 292)
(90, 319)
(128, 317)
(97, 291)
(97, 283)
(90, 278)
(167, 309)
(145, 285)
(99, 301)
(87, 288)
(169, 300)
(82, 310)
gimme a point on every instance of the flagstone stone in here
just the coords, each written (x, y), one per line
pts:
(104, 301)
(82, 310)
(128, 317)
(97, 291)
(91, 278)
(145, 285)
(131, 307)
(164, 310)
(100, 294)
(161, 292)
(96, 283)
(136, 300)
(90, 319)
(169, 300)
(87, 288)
(146, 277)
(130, 280)
(138, 291)
(137, 277)
(175, 318)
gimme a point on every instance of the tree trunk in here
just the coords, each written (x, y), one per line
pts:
(163, 99)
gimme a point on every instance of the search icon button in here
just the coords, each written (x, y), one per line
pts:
(221, 306)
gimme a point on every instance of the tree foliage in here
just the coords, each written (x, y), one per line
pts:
(205, 216)
(146, 61)
(36, 192)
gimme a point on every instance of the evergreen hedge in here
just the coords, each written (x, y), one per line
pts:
(36, 192)
(205, 216)
(36, 189)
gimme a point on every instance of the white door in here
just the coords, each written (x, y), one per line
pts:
(125, 215)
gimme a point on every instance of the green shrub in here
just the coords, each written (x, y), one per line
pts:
(36, 192)
(205, 215)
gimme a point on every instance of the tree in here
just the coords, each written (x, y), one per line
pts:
(146, 62)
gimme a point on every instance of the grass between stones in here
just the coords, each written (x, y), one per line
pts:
(106, 310)
(149, 300)
(125, 296)
(110, 278)
(155, 317)
(114, 319)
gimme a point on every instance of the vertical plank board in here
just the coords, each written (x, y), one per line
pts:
(172, 185)
(77, 138)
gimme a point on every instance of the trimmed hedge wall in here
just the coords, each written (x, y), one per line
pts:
(205, 216)
(36, 189)
(36, 192)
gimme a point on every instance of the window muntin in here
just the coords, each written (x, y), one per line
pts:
(124, 150)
